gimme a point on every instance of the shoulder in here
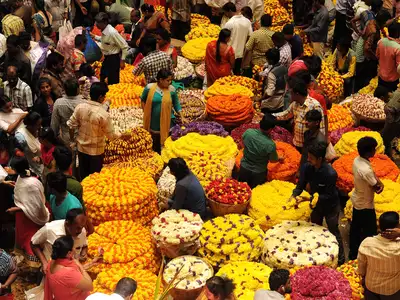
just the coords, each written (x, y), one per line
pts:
(368, 242)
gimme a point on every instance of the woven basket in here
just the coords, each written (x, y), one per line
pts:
(197, 73)
(367, 119)
(221, 209)
(176, 250)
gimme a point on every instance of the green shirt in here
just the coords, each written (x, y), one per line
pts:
(60, 211)
(259, 149)
(75, 188)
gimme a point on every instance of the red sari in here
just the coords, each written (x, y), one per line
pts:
(216, 69)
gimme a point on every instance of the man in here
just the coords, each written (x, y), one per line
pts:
(77, 57)
(260, 42)
(241, 29)
(18, 91)
(285, 53)
(125, 289)
(279, 283)
(154, 60)
(392, 121)
(54, 68)
(3, 45)
(322, 180)
(136, 30)
(379, 261)
(341, 29)
(93, 124)
(12, 24)
(16, 57)
(294, 41)
(180, 19)
(388, 54)
(259, 150)
(318, 30)
(366, 184)
(123, 12)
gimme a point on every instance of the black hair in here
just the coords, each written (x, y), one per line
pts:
(72, 214)
(345, 41)
(57, 181)
(163, 74)
(24, 36)
(31, 118)
(102, 17)
(71, 87)
(313, 115)
(220, 287)
(366, 145)
(20, 165)
(53, 59)
(388, 220)
(247, 12)
(149, 42)
(304, 75)
(298, 86)
(278, 38)
(224, 34)
(147, 8)
(80, 40)
(273, 56)
(394, 30)
(137, 13)
(62, 246)
(313, 64)
(86, 70)
(3, 99)
(126, 287)
(288, 29)
(268, 122)
(63, 157)
(40, 6)
(12, 66)
(164, 34)
(381, 92)
(13, 40)
(229, 7)
(179, 167)
(321, 2)
(318, 149)
(266, 21)
(97, 90)
(382, 17)
(376, 5)
(277, 278)
(46, 133)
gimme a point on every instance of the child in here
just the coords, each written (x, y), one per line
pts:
(86, 80)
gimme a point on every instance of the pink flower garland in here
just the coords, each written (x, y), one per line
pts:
(337, 134)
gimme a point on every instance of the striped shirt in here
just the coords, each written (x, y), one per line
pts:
(7, 264)
(12, 25)
(379, 261)
(21, 95)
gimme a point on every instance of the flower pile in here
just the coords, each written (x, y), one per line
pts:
(184, 69)
(368, 107)
(193, 105)
(203, 128)
(166, 187)
(126, 245)
(269, 204)
(348, 142)
(201, 69)
(228, 191)
(126, 76)
(299, 243)
(203, 31)
(370, 88)
(383, 167)
(349, 271)
(161, 8)
(197, 20)
(250, 83)
(338, 118)
(279, 14)
(330, 81)
(336, 135)
(195, 50)
(230, 110)
(126, 118)
(120, 194)
(248, 277)
(319, 282)
(124, 94)
(230, 238)
(227, 89)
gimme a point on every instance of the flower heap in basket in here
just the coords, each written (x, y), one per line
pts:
(195, 50)
(369, 108)
(349, 271)
(330, 81)
(197, 20)
(348, 142)
(124, 94)
(228, 191)
(193, 105)
(339, 117)
(203, 31)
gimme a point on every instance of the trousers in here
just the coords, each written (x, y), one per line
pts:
(110, 69)
(253, 179)
(89, 164)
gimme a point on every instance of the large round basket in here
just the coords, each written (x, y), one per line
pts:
(361, 117)
(201, 76)
(173, 250)
(221, 209)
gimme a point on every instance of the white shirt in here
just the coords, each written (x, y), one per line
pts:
(364, 180)
(257, 6)
(3, 46)
(101, 296)
(6, 119)
(112, 42)
(241, 29)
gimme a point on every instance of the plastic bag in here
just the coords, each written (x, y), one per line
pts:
(92, 51)
(65, 29)
(67, 44)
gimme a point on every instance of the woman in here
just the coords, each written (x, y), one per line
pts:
(152, 21)
(45, 103)
(218, 288)
(42, 21)
(10, 118)
(164, 45)
(48, 142)
(159, 101)
(65, 276)
(27, 141)
(31, 211)
(189, 193)
(220, 57)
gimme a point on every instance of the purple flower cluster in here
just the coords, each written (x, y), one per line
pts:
(336, 135)
(203, 128)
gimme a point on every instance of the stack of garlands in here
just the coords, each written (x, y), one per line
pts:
(299, 243)
(370, 88)
(248, 277)
(166, 187)
(383, 167)
(319, 282)
(193, 105)
(124, 94)
(126, 245)
(250, 83)
(284, 170)
(279, 14)
(388, 200)
(197, 20)
(203, 31)
(228, 191)
(120, 194)
(230, 110)
(126, 76)
(336, 135)
(348, 142)
(138, 145)
(349, 271)
(338, 118)
(230, 238)
(195, 50)
(269, 204)
(227, 89)
(330, 81)
(203, 128)
(368, 107)
(126, 118)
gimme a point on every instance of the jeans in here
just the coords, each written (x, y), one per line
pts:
(89, 164)
(253, 179)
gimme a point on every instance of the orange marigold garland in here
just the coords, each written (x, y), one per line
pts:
(339, 117)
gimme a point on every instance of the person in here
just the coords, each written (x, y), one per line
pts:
(321, 177)
(125, 290)
(83, 13)
(154, 60)
(379, 261)
(341, 30)
(260, 41)
(86, 81)
(18, 91)
(382, 93)
(279, 283)
(366, 184)
(42, 21)
(248, 13)
(48, 142)
(77, 58)
(53, 71)
(259, 150)
(65, 277)
(12, 24)
(164, 44)
(257, 7)
(152, 21)
(391, 128)
(3, 45)
(220, 57)
(8, 272)
(93, 124)
(158, 102)
(10, 118)
(241, 29)
(285, 52)
(122, 11)
(114, 48)
(301, 104)
(16, 57)
(388, 54)
(274, 83)
(44, 104)
(180, 18)
(343, 61)
(219, 288)
(59, 10)
(295, 41)
(359, 7)
(136, 31)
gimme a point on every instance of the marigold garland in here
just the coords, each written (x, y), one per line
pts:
(336, 135)
(197, 20)
(279, 14)
(227, 89)
(348, 142)
(338, 118)
(370, 88)
(203, 31)
(253, 85)
(330, 81)
(124, 94)
(195, 50)
(349, 271)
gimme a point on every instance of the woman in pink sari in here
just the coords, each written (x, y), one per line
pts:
(220, 57)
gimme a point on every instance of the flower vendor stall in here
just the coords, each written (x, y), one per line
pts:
(193, 105)
(203, 128)
(338, 118)
(349, 271)
(195, 50)
(336, 135)
(348, 142)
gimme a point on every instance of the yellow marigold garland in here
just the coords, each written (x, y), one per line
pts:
(203, 31)
(124, 94)
(195, 50)
(253, 85)
(227, 89)
(348, 142)
(349, 270)
(339, 117)
(370, 88)
(330, 81)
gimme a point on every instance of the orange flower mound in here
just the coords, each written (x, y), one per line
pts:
(126, 245)
(250, 83)
(286, 170)
(383, 167)
(339, 117)
(230, 110)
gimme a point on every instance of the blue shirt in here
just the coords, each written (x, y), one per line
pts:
(60, 211)
(297, 46)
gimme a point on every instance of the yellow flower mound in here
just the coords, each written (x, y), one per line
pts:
(227, 89)
(388, 200)
(197, 20)
(349, 270)
(339, 117)
(223, 148)
(195, 50)
(253, 85)
(124, 94)
(126, 76)
(120, 194)
(269, 206)
(279, 14)
(330, 81)
(203, 31)
(348, 142)
(370, 88)
(230, 238)
(248, 277)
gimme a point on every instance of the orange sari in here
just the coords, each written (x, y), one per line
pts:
(216, 69)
